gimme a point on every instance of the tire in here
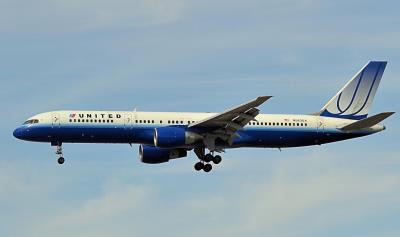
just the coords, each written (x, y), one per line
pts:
(61, 160)
(208, 158)
(198, 166)
(207, 168)
(217, 159)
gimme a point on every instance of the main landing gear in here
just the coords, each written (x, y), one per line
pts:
(59, 153)
(205, 160)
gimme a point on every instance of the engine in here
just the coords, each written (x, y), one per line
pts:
(170, 137)
(154, 155)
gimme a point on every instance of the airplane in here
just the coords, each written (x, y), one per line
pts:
(164, 136)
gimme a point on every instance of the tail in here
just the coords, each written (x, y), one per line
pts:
(354, 100)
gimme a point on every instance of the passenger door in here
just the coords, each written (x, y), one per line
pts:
(320, 127)
(55, 120)
(55, 126)
(128, 131)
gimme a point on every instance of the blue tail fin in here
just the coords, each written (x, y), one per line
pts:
(354, 100)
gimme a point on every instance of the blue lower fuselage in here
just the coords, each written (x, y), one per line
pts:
(249, 137)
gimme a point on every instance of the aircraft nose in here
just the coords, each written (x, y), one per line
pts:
(18, 133)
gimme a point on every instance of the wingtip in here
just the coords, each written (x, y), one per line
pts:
(265, 97)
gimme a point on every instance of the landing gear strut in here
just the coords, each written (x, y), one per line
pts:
(205, 160)
(59, 153)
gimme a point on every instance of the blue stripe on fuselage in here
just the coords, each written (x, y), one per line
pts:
(257, 136)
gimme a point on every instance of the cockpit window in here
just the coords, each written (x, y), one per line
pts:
(32, 121)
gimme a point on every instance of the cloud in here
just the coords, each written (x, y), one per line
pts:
(96, 214)
(299, 195)
(320, 202)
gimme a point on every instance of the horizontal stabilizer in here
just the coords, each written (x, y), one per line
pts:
(367, 122)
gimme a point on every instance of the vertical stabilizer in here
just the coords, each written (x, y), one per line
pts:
(354, 100)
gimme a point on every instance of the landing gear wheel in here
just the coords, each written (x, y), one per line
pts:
(198, 166)
(207, 168)
(61, 160)
(208, 158)
(217, 159)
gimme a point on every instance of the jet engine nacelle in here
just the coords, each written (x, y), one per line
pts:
(169, 137)
(155, 155)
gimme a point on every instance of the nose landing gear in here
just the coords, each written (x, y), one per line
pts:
(59, 153)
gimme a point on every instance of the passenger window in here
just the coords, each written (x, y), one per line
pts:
(281, 124)
(305, 124)
(91, 120)
(136, 121)
(112, 121)
(79, 120)
(160, 121)
(104, 120)
(285, 124)
(108, 120)
(70, 120)
(290, 124)
(301, 124)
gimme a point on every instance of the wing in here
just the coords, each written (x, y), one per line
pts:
(226, 124)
